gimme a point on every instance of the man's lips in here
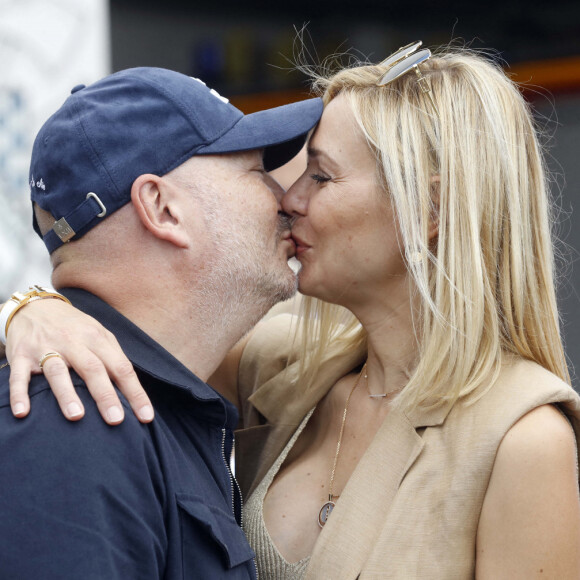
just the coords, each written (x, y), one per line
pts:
(287, 237)
(301, 246)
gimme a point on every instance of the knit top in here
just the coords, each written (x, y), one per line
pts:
(269, 562)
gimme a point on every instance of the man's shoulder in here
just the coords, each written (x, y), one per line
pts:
(46, 427)
(79, 499)
(38, 383)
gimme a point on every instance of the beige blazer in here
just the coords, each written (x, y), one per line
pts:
(411, 507)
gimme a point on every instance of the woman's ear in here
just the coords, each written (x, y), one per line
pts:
(435, 190)
(157, 205)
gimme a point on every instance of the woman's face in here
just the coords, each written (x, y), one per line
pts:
(345, 232)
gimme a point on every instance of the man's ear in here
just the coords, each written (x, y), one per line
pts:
(156, 202)
(435, 190)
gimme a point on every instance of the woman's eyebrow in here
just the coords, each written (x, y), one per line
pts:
(314, 153)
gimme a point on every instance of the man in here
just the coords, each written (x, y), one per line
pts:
(190, 251)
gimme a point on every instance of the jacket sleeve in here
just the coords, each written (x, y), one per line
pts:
(78, 500)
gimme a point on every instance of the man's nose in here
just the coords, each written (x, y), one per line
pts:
(295, 200)
(276, 189)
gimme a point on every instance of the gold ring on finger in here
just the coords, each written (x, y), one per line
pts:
(48, 355)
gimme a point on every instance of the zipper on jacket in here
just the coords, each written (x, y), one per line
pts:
(232, 480)
(239, 490)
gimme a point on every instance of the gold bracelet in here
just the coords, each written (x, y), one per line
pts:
(20, 299)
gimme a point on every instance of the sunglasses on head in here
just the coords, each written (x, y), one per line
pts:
(404, 60)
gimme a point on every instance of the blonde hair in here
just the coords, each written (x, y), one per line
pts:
(486, 287)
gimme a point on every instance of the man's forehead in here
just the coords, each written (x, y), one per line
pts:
(250, 154)
(221, 161)
(250, 157)
(238, 159)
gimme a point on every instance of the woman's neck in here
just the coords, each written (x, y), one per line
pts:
(392, 343)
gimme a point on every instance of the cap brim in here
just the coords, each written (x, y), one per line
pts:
(281, 132)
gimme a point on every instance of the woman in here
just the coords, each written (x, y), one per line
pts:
(414, 426)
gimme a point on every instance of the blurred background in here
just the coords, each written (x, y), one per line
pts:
(245, 51)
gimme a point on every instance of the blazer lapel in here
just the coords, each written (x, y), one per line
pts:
(365, 501)
(283, 406)
(281, 401)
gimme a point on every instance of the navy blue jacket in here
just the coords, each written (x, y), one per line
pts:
(87, 501)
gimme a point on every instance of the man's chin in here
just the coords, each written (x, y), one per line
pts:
(287, 289)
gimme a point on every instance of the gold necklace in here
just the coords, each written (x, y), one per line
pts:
(328, 506)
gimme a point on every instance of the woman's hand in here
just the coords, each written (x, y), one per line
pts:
(92, 351)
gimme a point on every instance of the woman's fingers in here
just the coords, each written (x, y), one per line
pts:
(91, 369)
(20, 371)
(98, 379)
(123, 373)
(75, 340)
(57, 374)
(107, 362)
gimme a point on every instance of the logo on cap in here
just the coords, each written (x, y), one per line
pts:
(212, 91)
(39, 184)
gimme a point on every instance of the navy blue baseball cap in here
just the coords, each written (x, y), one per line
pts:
(144, 120)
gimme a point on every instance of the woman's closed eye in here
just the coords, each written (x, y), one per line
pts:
(319, 178)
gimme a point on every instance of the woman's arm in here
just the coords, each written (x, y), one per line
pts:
(530, 519)
(94, 353)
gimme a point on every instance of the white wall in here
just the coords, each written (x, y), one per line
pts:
(46, 48)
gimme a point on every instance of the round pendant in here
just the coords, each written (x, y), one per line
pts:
(325, 511)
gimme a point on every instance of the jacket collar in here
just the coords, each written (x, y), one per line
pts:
(150, 357)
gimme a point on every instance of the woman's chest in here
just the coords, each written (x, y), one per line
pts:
(318, 466)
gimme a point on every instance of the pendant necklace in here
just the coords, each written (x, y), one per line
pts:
(327, 508)
(378, 395)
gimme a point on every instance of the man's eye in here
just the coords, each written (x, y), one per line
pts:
(319, 178)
